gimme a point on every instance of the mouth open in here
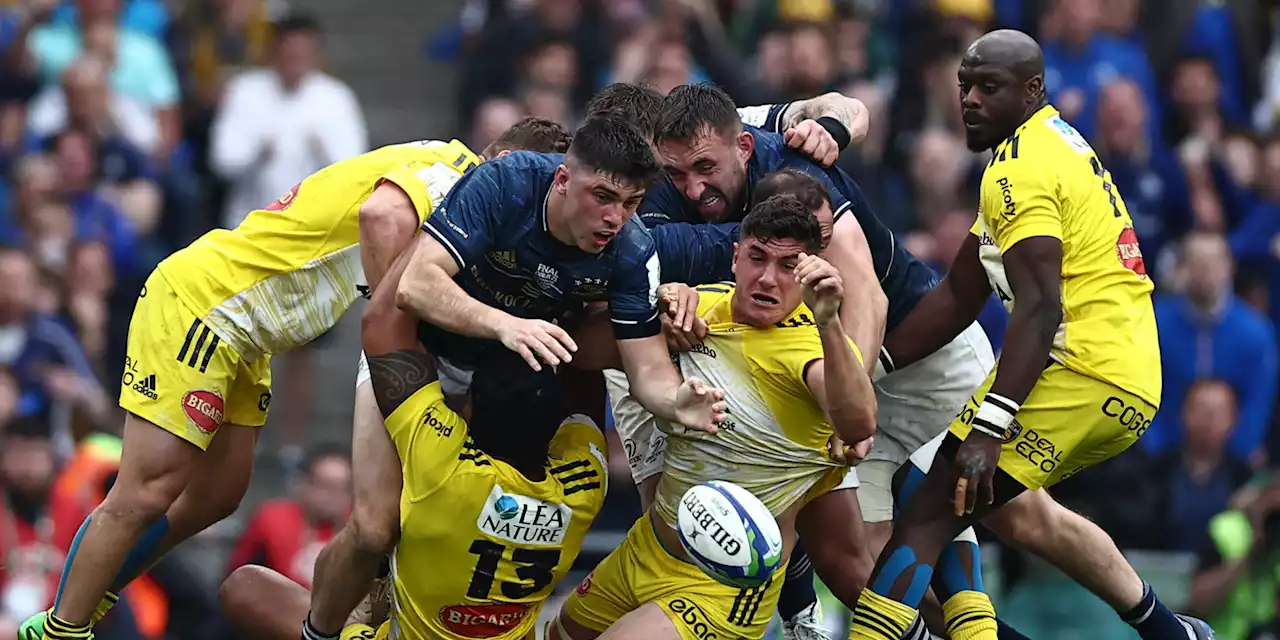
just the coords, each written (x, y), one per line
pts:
(763, 299)
(602, 237)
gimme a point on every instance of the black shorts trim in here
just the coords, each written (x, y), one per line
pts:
(1006, 486)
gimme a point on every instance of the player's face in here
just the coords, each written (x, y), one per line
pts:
(596, 205)
(710, 170)
(992, 102)
(767, 289)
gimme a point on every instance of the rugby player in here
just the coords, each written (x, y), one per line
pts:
(1079, 377)
(714, 166)
(527, 239)
(797, 377)
(205, 325)
(347, 565)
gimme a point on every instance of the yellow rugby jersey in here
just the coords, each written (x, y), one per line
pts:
(290, 270)
(1046, 180)
(481, 546)
(773, 443)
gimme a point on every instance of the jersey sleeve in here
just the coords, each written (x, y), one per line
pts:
(765, 116)
(467, 218)
(695, 254)
(428, 436)
(793, 347)
(633, 285)
(579, 458)
(1019, 201)
(426, 186)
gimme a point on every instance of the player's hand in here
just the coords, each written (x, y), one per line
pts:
(820, 286)
(847, 454)
(976, 461)
(700, 407)
(679, 339)
(809, 138)
(679, 302)
(537, 341)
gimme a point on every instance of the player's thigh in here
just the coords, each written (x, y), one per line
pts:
(178, 374)
(701, 608)
(1068, 422)
(835, 540)
(377, 471)
(264, 603)
(219, 479)
(644, 444)
(602, 598)
(649, 622)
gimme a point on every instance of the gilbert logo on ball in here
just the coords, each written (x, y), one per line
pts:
(729, 534)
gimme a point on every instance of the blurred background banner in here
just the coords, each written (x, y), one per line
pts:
(130, 127)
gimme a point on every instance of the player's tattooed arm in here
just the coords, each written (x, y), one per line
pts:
(850, 112)
(398, 363)
(396, 376)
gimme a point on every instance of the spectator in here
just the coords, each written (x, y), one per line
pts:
(140, 65)
(287, 534)
(86, 102)
(1209, 332)
(278, 125)
(1234, 584)
(1254, 240)
(1201, 476)
(1080, 59)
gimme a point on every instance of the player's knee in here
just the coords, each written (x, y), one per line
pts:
(1025, 521)
(148, 495)
(376, 531)
(235, 595)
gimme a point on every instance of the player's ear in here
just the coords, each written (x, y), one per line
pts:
(733, 266)
(746, 144)
(1035, 88)
(504, 152)
(561, 180)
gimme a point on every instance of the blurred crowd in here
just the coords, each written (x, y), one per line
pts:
(130, 127)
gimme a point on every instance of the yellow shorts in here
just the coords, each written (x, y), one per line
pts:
(641, 571)
(1069, 422)
(184, 379)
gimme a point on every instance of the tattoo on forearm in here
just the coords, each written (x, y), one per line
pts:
(814, 108)
(398, 375)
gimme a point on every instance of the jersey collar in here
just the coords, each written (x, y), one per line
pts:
(1045, 112)
(546, 224)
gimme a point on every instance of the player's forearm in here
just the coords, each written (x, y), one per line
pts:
(850, 112)
(654, 380)
(851, 400)
(863, 313)
(1027, 342)
(435, 297)
(936, 320)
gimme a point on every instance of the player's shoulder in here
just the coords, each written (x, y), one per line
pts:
(713, 294)
(633, 246)
(663, 203)
(577, 456)
(426, 405)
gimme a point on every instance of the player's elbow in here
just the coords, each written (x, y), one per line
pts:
(1046, 316)
(856, 423)
(388, 213)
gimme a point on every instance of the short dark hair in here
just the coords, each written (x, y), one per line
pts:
(515, 411)
(531, 134)
(792, 183)
(610, 145)
(297, 22)
(638, 104)
(783, 218)
(325, 451)
(691, 109)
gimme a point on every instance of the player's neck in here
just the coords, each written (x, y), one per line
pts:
(557, 222)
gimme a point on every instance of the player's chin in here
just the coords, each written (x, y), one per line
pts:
(976, 140)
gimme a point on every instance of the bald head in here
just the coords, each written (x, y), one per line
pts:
(1010, 49)
(1001, 85)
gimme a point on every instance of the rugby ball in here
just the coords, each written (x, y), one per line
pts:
(729, 534)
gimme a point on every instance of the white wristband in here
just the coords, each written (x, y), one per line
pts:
(995, 415)
(884, 365)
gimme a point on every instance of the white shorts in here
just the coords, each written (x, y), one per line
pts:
(916, 403)
(454, 381)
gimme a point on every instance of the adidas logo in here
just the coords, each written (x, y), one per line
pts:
(147, 386)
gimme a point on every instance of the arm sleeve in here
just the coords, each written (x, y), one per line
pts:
(633, 287)
(764, 116)
(579, 438)
(429, 437)
(467, 218)
(425, 186)
(695, 253)
(1019, 202)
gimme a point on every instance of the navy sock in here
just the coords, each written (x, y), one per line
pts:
(797, 590)
(1151, 619)
(1006, 632)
